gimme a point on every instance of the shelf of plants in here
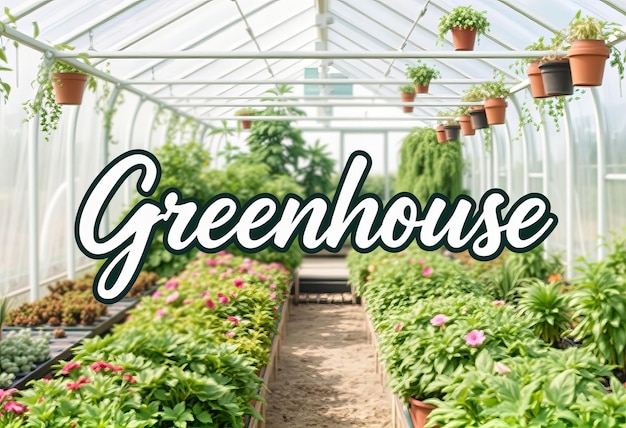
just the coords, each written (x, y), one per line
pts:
(189, 354)
(504, 343)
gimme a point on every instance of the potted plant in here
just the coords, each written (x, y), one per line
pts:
(245, 111)
(407, 94)
(588, 52)
(530, 68)
(495, 91)
(441, 133)
(475, 93)
(421, 75)
(466, 24)
(555, 71)
(451, 127)
(58, 83)
(465, 121)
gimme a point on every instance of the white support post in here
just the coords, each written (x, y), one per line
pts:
(569, 197)
(70, 177)
(342, 154)
(33, 208)
(601, 174)
(128, 145)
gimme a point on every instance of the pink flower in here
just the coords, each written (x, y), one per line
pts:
(498, 302)
(194, 274)
(99, 365)
(209, 304)
(204, 294)
(6, 394)
(171, 285)
(272, 286)
(76, 385)
(399, 326)
(156, 294)
(222, 253)
(427, 271)
(222, 298)
(475, 338)
(211, 262)
(172, 298)
(188, 301)
(422, 261)
(14, 406)
(161, 313)
(230, 334)
(238, 282)
(229, 271)
(223, 275)
(273, 296)
(233, 295)
(439, 320)
(501, 368)
(68, 367)
(129, 378)
(234, 320)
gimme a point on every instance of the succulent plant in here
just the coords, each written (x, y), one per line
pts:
(20, 351)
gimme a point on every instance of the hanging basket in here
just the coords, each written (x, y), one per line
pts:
(452, 132)
(69, 87)
(441, 134)
(536, 81)
(466, 125)
(463, 39)
(246, 124)
(587, 59)
(557, 78)
(478, 118)
(421, 89)
(495, 109)
(407, 97)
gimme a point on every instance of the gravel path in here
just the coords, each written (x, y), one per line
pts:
(327, 376)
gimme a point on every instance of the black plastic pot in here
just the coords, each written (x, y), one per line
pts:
(452, 132)
(478, 118)
(557, 78)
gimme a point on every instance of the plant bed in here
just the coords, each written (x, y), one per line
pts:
(20, 352)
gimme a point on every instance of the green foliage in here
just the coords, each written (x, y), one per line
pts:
(598, 300)
(5, 87)
(546, 308)
(464, 17)
(496, 88)
(616, 258)
(20, 351)
(474, 93)
(245, 111)
(421, 74)
(407, 89)
(427, 167)
(533, 263)
(504, 280)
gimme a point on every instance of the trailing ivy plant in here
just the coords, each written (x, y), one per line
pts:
(427, 167)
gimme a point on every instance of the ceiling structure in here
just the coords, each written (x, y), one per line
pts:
(207, 58)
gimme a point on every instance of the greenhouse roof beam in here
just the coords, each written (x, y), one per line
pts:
(50, 52)
(26, 9)
(308, 97)
(164, 55)
(529, 16)
(88, 26)
(354, 81)
(614, 6)
(252, 36)
(333, 104)
(327, 118)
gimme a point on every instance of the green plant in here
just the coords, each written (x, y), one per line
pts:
(421, 74)
(5, 302)
(495, 88)
(44, 102)
(475, 93)
(590, 28)
(598, 300)
(20, 351)
(427, 167)
(245, 111)
(407, 89)
(536, 263)
(616, 257)
(5, 87)
(464, 17)
(546, 309)
(504, 280)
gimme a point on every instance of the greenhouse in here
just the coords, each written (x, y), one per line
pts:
(328, 213)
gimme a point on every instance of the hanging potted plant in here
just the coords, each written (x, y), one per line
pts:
(441, 133)
(245, 111)
(421, 75)
(588, 52)
(495, 91)
(555, 71)
(407, 94)
(530, 67)
(465, 121)
(58, 84)
(466, 24)
(478, 117)
(451, 127)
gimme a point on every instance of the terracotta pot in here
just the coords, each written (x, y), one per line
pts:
(452, 132)
(246, 124)
(421, 89)
(466, 125)
(441, 134)
(557, 78)
(419, 412)
(536, 81)
(495, 108)
(587, 59)
(478, 118)
(407, 97)
(69, 87)
(463, 38)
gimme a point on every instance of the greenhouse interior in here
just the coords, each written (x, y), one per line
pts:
(322, 213)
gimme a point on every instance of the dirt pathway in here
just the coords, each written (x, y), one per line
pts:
(327, 375)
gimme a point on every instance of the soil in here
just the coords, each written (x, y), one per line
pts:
(327, 372)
